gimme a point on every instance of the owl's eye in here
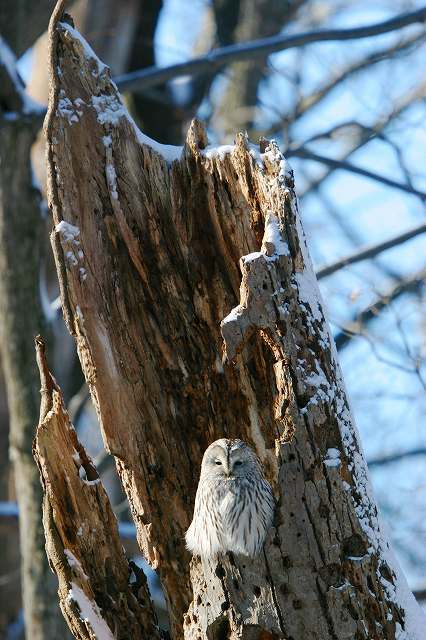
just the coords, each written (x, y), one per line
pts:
(237, 463)
(217, 462)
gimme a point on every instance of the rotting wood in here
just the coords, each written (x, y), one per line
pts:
(147, 242)
(82, 541)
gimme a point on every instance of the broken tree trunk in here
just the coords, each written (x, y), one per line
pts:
(148, 242)
(83, 545)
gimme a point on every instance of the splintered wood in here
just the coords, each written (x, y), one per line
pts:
(82, 540)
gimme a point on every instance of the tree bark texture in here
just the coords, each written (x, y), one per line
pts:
(186, 281)
(83, 544)
(21, 238)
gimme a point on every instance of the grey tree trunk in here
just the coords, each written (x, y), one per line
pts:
(186, 281)
(21, 231)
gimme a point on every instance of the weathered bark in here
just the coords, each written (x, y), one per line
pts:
(81, 530)
(147, 253)
(110, 26)
(21, 237)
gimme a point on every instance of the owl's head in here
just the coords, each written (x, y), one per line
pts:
(229, 459)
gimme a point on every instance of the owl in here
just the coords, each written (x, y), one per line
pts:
(234, 504)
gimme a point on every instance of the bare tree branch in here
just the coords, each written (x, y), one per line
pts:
(261, 48)
(307, 102)
(307, 154)
(420, 593)
(351, 233)
(371, 251)
(396, 457)
(366, 134)
(356, 326)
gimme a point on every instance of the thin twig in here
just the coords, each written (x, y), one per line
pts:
(152, 76)
(318, 95)
(354, 327)
(369, 133)
(396, 457)
(307, 154)
(370, 251)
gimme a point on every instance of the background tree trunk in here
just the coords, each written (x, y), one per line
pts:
(21, 238)
(147, 242)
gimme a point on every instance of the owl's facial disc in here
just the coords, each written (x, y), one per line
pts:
(226, 459)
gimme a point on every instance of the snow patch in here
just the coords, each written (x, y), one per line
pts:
(273, 155)
(90, 613)
(68, 231)
(332, 458)
(333, 453)
(233, 316)
(91, 482)
(273, 236)
(218, 152)
(251, 256)
(110, 110)
(415, 618)
(286, 172)
(71, 259)
(74, 563)
(66, 109)
(73, 255)
(87, 49)
(112, 180)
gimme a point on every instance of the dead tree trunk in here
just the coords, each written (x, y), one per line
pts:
(150, 244)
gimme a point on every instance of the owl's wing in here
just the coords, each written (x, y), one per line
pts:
(247, 514)
(205, 533)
